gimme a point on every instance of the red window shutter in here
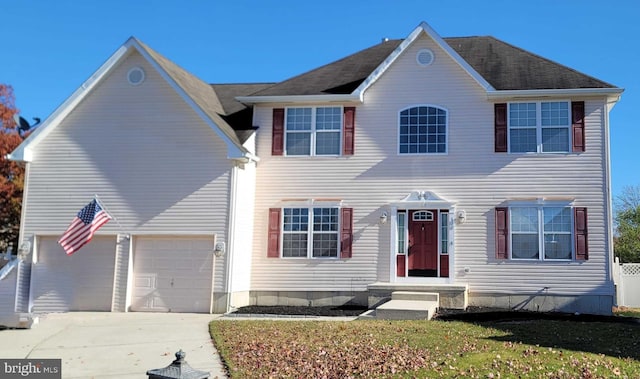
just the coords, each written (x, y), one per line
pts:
(580, 223)
(346, 232)
(500, 123)
(273, 245)
(349, 125)
(502, 233)
(577, 126)
(277, 142)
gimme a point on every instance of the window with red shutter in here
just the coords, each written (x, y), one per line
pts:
(349, 130)
(577, 126)
(310, 232)
(500, 127)
(346, 232)
(273, 244)
(502, 233)
(581, 234)
(277, 142)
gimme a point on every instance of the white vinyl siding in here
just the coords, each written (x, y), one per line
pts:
(157, 167)
(471, 175)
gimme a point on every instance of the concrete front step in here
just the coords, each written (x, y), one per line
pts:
(412, 295)
(406, 310)
(453, 296)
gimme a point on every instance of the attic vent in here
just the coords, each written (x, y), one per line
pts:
(424, 57)
(135, 76)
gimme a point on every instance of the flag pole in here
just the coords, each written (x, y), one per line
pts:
(99, 201)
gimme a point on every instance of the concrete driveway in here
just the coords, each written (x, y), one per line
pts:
(115, 345)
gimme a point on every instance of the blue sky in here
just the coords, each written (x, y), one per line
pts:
(51, 47)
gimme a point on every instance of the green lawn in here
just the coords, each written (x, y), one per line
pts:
(428, 349)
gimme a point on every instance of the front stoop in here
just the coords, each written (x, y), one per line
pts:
(407, 306)
(453, 296)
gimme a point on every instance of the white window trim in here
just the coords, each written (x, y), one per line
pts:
(313, 131)
(540, 205)
(539, 127)
(447, 134)
(310, 205)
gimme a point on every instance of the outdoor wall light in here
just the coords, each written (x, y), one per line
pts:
(24, 250)
(461, 216)
(219, 249)
(383, 217)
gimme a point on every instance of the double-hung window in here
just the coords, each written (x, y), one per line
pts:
(541, 232)
(539, 127)
(423, 130)
(313, 131)
(310, 233)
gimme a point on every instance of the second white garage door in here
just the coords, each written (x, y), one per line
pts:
(172, 274)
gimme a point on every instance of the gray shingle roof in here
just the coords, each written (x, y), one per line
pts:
(504, 66)
(217, 102)
(340, 77)
(507, 67)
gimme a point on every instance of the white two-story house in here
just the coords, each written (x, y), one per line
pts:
(464, 166)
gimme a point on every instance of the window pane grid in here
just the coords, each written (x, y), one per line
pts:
(555, 114)
(541, 233)
(523, 140)
(298, 119)
(555, 139)
(327, 143)
(423, 130)
(328, 118)
(522, 114)
(539, 127)
(325, 245)
(313, 131)
(321, 236)
(294, 245)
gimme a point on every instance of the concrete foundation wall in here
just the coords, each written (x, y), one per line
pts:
(589, 304)
(308, 298)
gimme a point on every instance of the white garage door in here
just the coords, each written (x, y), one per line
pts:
(80, 282)
(172, 274)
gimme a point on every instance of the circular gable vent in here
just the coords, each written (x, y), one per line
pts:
(425, 57)
(135, 76)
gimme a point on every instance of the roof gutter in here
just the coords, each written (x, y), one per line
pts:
(570, 92)
(349, 98)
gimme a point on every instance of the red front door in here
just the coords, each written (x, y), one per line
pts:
(423, 243)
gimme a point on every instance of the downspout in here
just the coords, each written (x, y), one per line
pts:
(233, 198)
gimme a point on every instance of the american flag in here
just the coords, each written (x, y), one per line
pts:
(79, 233)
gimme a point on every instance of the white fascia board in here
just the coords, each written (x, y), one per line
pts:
(611, 93)
(423, 27)
(300, 99)
(233, 150)
(24, 152)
